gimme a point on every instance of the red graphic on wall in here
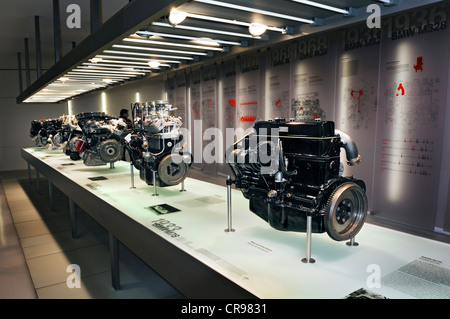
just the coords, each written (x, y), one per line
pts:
(248, 118)
(195, 108)
(357, 96)
(231, 103)
(401, 88)
(419, 65)
(278, 103)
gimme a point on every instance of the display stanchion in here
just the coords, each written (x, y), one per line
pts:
(51, 196)
(352, 242)
(132, 176)
(229, 209)
(73, 218)
(155, 191)
(29, 173)
(111, 165)
(308, 259)
(182, 187)
(38, 179)
(114, 260)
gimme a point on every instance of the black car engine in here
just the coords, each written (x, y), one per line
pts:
(101, 141)
(292, 170)
(155, 146)
(44, 131)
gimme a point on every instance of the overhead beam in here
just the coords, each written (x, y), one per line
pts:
(135, 15)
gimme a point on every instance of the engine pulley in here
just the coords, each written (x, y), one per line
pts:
(110, 151)
(173, 169)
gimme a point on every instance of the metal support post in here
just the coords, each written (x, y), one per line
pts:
(38, 182)
(308, 259)
(27, 64)
(229, 208)
(19, 68)
(182, 187)
(352, 242)
(57, 40)
(51, 195)
(73, 218)
(132, 176)
(29, 173)
(38, 46)
(114, 260)
(155, 191)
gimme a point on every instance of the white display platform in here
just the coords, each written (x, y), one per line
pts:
(255, 258)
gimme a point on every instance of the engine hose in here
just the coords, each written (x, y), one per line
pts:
(351, 150)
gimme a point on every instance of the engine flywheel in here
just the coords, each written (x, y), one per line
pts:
(347, 211)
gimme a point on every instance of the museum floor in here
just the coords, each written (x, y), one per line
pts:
(33, 240)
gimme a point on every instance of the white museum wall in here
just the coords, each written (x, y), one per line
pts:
(323, 82)
(15, 120)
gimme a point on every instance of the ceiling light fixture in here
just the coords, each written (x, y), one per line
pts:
(182, 45)
(154, 64)
(129, 62)
(157, 50)
(389, 3)
(234, 22)
(149, 55)
(203, 30)
(248, 9)
(110, 69)
(137, 59)
(111, 72)
(214, 42)
(322, 6)
(117, 65)
(176, 17)
(257, 29)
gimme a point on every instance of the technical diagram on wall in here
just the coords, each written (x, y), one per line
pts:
(357, 95)
(209, 115)
(277, 99)
(195, 111)
(248, 91)
(227, 94)
(312, 88)
(411, 116)
(179, 97)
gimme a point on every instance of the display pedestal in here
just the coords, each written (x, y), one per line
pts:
(181, 236)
